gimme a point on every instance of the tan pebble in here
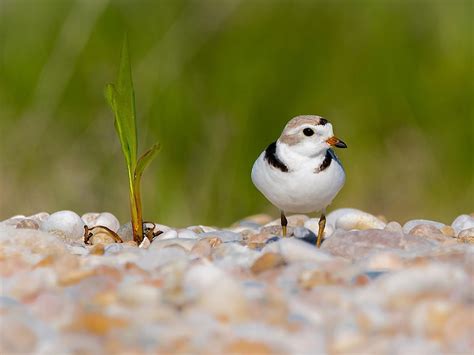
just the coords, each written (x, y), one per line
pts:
(425, 230)
(466, 236)
(98, 324)
(27, 224)
(385, 261)
(105, 298)
(248, 347)
(394, 226)
(46, 261)
(347, 342)
(429, 318)
(74, 277)
(459, 326)
(257, 240)
(132, 243)
(17, 337)
(312, 278)
(97, 249)
(101, 238)
(448, 231)
(266, 262)
(203, 248)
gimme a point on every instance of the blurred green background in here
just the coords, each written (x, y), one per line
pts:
(215, 83)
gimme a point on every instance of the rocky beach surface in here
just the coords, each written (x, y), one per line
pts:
(374, 287)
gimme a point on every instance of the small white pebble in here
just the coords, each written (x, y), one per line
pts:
(106, 219)
(462, 222)
(408, 226)
(67, 222)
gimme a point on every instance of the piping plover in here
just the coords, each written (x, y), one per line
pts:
(300, 173)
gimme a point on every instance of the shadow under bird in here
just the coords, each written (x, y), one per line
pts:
(300, 173)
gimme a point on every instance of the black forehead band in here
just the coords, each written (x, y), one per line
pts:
(322, 121)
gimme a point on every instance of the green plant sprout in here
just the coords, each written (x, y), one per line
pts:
(121, 98)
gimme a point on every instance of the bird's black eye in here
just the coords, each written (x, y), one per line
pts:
(308, 132)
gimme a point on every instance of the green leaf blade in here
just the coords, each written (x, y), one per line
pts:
(145, 160)
(121, 98)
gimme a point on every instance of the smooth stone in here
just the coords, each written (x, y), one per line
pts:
(169, 234)
(30, 241)
(101, 238)
(466, 236)
(187, 234)
(430, 232)
(384, 261)
(203, 247)
(429, 317)
(294, 250)
(115, 248)
(305, 235)
(77, 250)
(394, 227)
(266, 262)
(27, 224)
(39, 217)
(125, 231)
(273, 239)
(313, 225)
(186, 244)
(462, 222)
(13, 221)
(224, 236)
(136, 294)
(448, 231)
(431, 279)
(351, 218)
(257, 240)
(359, 244)
(408, 226)
(66, 222)
(216, 292)
(105, 219)
(231, 255)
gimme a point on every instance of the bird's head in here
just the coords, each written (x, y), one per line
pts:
(310, 136)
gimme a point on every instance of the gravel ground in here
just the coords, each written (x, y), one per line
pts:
(372, 288)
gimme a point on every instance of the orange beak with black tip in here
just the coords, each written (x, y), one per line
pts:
(336, 142)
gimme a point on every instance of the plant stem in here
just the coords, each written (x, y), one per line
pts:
(135, 209)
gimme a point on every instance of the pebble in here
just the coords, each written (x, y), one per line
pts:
(64, 223)
(125, 232)
(463, 222)
(27, 223)
(351, 218)
(105, 219)
(243, 289)
(466, 236)
(294, 250)
(408, 226)
(266, 262)
(224, 236)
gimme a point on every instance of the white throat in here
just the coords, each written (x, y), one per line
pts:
(295, 160)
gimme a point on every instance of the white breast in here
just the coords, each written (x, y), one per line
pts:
(302, 189)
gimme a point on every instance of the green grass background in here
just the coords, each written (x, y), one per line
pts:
(215, 83)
